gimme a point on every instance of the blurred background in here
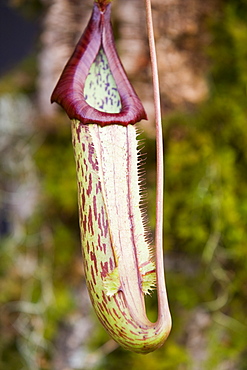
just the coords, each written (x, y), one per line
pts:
(46, 319)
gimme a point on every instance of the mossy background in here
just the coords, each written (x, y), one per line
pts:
(46, 319)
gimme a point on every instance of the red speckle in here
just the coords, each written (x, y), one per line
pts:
(85, 164)
(115, 313)
(84, 222)
(95, 207)
(99, 243)
(100, 306)
(90, 220)
(89, 189)
(80, 212)
(104, 222)
(111, 264)
(132, 323)
(104, 269)
(117, 302)
(105, 307)
(93, 258)
(82, 170)
(93, 276)
(92, 161)
(78, 131)
(105, 297)
(92, 287)
(98, 187)
(83, 198)
(86, 264)
(100, 224)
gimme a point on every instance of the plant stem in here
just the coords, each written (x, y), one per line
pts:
(161, 289)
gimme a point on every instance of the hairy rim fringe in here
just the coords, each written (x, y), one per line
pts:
(142, 181)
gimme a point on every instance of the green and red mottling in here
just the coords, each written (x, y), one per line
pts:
(119, 268)
(113, 235)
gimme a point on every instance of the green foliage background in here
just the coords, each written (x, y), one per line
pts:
(205, 228)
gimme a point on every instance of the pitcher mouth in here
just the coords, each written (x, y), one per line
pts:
(70, 89)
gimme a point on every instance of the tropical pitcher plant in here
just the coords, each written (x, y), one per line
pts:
(120, 266)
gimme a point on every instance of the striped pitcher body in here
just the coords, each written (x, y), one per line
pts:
(117, 259)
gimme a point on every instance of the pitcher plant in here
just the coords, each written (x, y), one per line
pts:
(120, 265)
